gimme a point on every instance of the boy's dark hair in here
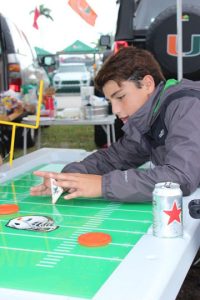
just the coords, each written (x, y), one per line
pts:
(129, 63)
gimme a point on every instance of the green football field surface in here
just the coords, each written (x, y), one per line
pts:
(53, 262)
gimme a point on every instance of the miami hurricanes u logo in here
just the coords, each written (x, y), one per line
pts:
(172, 45)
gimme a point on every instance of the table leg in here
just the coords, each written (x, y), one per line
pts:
(25, 141)
(113, 133)
(108, 135)
(39, 138)
(107, 129)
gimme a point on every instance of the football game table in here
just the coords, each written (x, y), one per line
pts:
(52, 265)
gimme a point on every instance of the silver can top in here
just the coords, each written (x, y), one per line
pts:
(167, 188)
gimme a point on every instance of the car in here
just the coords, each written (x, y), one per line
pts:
(152, 25)
(19, 69)
(18, 60)
(71, 76)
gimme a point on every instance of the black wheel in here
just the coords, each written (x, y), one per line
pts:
(5, 138)
(31, 137)
(161, 41)
(100, 137)
(194, 208)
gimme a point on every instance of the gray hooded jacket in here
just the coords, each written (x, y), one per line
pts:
(177, 161)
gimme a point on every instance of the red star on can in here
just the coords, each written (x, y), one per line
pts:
(174, 214)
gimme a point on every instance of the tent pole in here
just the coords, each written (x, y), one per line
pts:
(95, 65)
(179, 40)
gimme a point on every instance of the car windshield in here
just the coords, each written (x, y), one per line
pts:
(71, 68)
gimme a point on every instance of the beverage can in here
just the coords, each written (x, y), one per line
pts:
(49, 105)
(167, 210)
(49, 102)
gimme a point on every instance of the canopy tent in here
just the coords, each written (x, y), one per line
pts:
(41, 52)
(78, 47)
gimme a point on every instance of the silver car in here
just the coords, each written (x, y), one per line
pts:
(71, 76)
(18, 61)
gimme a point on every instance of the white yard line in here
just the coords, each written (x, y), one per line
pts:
(86, 227)
(52, 258)
(82, 207)
(65, 254)
(90, 217)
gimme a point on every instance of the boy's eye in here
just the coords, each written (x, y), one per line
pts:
(120, 97)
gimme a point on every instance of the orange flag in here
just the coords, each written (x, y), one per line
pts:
(84, 10)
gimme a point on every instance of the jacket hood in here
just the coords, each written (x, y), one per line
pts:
(139, 122)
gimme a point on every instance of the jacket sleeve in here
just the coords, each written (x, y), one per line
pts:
(122, 155)
(121, 181)
(181, 161)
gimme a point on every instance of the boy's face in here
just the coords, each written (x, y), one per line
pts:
(127, 98)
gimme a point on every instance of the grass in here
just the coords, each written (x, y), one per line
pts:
(73, 137)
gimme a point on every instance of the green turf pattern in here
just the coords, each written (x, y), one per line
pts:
(53, 262)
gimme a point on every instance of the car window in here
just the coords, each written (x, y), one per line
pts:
(20, 42)
(28, 47)
(72, 68)
(148, 10)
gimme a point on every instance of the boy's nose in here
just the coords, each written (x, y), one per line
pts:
(115, 109)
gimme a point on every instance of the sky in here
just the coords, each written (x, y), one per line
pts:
(67, 26)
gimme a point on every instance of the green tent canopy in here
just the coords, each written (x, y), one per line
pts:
(78, 47)
(40, 51)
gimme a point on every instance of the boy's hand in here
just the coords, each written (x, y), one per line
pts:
(76, 184)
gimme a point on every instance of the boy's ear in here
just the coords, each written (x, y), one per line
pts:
(149, 83)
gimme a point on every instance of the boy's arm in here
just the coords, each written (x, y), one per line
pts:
(181, 159)
(122, 155)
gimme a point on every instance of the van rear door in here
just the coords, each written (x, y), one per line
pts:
(3, 57)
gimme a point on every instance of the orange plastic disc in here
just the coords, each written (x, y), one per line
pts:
(6, 209)
(94, 239)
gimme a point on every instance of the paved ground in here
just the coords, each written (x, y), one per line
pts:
(68, 100)
(190, 289)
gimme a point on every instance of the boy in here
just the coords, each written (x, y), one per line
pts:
(133, 82)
